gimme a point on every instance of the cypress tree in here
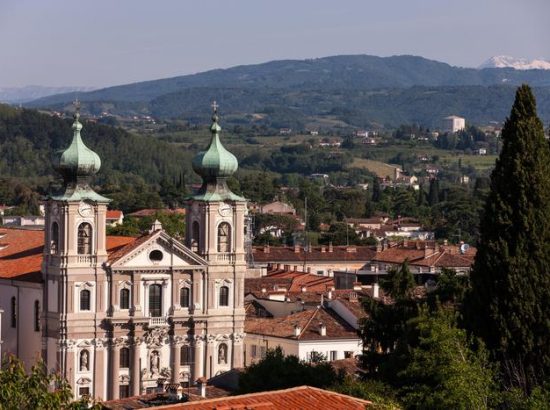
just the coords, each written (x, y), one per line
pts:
(433, 195)
(509, 303)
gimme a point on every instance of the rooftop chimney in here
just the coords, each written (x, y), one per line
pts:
(330, 248)
(322, 329)
(304, 289)
(266, 249)
(376, 290)
(201, 385)
(296, 248)
(329, 295)
(297, 330)
(323, 249)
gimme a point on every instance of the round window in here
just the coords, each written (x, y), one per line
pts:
(156, 255)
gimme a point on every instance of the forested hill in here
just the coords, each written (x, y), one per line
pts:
(349, 72)
(30, 141)
(356, 91)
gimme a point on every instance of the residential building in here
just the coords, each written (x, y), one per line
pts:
(453, 124)
(114, 218)
(278, 207)
(320, 260)
(29, 221)
(117, 315)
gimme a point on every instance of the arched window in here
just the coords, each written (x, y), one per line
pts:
(195, 237)
(224, 296)
(125, 298)
(185, 356)
(224, 237)
(85, 239)
(222, 353)
(184, 297)
(13, 312)
(155, 300)
(124, 358)
(36, 316)
(85, 299)
(54, 242)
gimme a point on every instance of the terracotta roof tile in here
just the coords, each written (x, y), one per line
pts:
(21, 252)
(287, 254)
(309, 322)
(114, 214)
(303, 398)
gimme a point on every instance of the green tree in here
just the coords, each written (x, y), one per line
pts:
(277, 371)
(35, 390)
(509, 303)
(433, 195)
(444, 371)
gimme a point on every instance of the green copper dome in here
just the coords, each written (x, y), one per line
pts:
(216, 161)
(78, 160)
(77, 164)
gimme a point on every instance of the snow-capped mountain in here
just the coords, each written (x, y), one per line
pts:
(517, 63)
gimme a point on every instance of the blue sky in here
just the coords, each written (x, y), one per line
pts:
(107, 42)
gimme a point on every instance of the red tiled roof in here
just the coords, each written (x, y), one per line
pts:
(114, 214)
(302, 398)
(128, 247)
(21, 259)
(309, 322)
(339, 253)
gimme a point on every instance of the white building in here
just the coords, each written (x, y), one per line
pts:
(114, 315)
(453, 124)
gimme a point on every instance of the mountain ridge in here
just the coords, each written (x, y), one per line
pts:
(359, 71)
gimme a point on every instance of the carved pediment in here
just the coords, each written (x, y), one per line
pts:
(158, 253)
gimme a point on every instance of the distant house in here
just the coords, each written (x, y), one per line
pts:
(143, 213)
(453, 124)
(28, 221)
(278, 207)
(482, 151)
(285, 131)
(114, 218)
(369, 141)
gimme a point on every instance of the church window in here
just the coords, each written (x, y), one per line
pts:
(222, 354)
(224, 237)
(36, 316)
(13, 312)
(224, 296)
(195, 236)
(124, 358)
(54, 243)
(185, 356)
(155, 300)
(85, 239)
(125, 299)
(85, 299)
(184, 297)
(156, 255)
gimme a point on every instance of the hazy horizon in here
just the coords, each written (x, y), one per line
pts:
(98, 44)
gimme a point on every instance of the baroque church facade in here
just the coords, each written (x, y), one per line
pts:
(119, 314)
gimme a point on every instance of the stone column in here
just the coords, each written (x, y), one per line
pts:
(237, 351)
(198, 359)
(70, 367)
(115, 363)
(176, 357)
(100, 372)
(211, 361)
(136, 294)
(135, 371)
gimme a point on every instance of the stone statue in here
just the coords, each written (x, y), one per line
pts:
(155, 362)
(222, 354)
(84, 361)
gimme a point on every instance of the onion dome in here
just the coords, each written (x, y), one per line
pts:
(78, 160)
(77, 164)
(215, 165)
(216, 161)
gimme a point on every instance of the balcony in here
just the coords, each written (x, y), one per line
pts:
(161, 321)
(225, 257)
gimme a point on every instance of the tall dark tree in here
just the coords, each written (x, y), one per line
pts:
(376, 191)
(509, 305)
(433, 195)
